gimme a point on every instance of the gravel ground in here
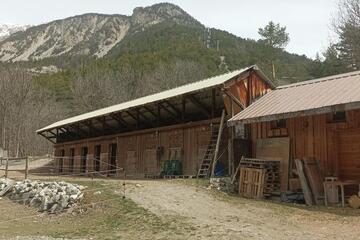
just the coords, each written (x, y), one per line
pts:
(217, 216)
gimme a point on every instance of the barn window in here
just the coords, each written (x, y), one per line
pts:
(281, 123)
(339, 116)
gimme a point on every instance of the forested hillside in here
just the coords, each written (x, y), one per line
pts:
(166, 49)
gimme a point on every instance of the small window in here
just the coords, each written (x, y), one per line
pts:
(339, 116)
(281, 123)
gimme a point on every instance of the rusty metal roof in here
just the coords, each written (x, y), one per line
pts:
(323, 95)
(185, 89)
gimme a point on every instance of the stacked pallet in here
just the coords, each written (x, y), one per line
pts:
(259, 177)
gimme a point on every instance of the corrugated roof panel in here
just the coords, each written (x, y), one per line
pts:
(300, 98)
(189, 88)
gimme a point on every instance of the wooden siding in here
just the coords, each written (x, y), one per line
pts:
(246, 91)
(143, 153)
(334, 144)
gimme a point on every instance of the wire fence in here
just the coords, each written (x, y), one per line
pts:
(25, 167)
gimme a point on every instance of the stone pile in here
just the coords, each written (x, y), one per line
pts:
(47, 196)
(5, 186)
(222, 184)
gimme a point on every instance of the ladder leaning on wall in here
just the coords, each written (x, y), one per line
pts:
(211, 154)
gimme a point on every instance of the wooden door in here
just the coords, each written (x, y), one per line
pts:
(131, 159)
(348, 163)
(84, 153)
(151, 163)
(97, 152)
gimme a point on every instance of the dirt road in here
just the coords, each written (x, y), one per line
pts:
(216, 216)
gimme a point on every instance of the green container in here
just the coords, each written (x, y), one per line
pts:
(172, 167)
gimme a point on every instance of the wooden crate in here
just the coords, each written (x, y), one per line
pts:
(252, 182)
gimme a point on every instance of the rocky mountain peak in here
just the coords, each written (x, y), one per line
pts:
(90, 34)
(7, 29)
(162, 11)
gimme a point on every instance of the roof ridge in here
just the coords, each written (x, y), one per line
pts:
(319, 80)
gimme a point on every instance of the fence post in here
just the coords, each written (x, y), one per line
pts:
(26, 167)
(6, 167)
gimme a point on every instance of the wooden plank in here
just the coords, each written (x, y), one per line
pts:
(26, 167)
(233, 178)
(218, 143)
(7, 168)
(276, 149)
(304, 183)
(315, 179)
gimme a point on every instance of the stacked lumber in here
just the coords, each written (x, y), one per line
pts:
(259, 177)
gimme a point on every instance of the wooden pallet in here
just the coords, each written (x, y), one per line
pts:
(272, 174)
(179, 176)
(251, 183)
(152, 176)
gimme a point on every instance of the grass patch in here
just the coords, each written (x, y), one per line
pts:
(102, 216)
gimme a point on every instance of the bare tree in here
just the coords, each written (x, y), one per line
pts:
(23, 109)
(96, 89)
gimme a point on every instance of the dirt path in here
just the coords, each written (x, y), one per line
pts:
(216, 217)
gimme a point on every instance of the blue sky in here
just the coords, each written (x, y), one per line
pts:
(307, 21)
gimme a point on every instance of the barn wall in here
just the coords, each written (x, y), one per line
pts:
(320, 137)
(144, 152)
(246, 90)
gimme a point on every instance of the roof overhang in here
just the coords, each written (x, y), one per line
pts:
(207, 84)
(309, 112)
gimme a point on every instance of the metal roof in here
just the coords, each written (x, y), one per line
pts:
(185, 89)
(323, 95)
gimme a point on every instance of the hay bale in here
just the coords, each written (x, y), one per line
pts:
(354, 202)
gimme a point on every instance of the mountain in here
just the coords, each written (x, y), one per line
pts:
(86, 35)
(161, 34)
(7, 29)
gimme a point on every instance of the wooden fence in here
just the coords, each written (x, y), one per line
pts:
(7, 162)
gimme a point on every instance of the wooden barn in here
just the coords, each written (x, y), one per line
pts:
(316, 120)
(140, 135)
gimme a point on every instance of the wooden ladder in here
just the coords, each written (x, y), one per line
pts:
(210, 156)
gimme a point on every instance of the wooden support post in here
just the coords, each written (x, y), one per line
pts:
(183, 101)
(6, 167)
(234, 99)
(213, 103)
(26, 167)
(230, 156)
(158, 115)
(218, 143)
(137, 118)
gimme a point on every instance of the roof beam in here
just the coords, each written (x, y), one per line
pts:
(48, 138)
(168, 111)
(199, 105)
(117, 117)
(234, 99)
(178, 112)
(102, 120)
(151, 111)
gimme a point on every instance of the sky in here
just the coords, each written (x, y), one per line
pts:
(308, 22)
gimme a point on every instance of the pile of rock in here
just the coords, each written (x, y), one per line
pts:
(5, 186)
(47, 196)
(222, 184)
